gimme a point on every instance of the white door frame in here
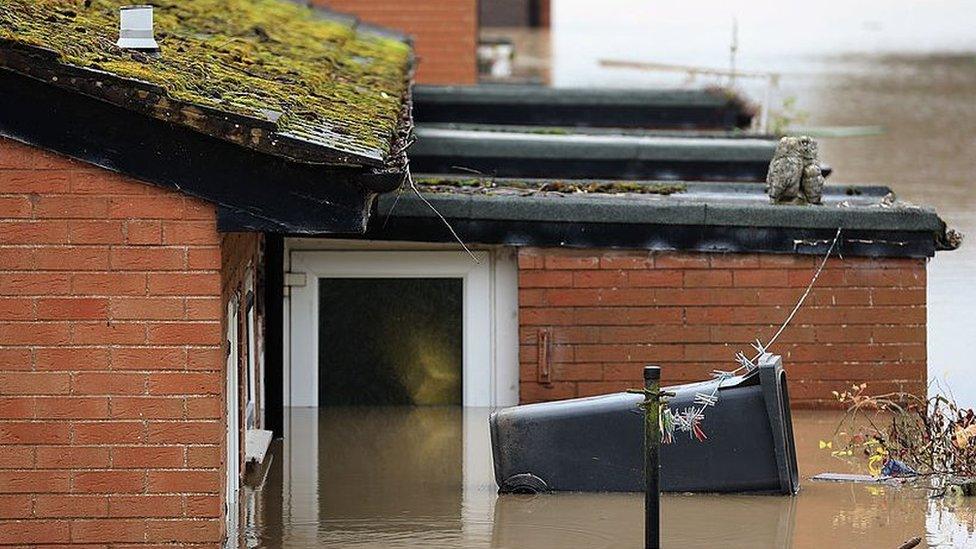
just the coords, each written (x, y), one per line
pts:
(490, 303)
(232, 451)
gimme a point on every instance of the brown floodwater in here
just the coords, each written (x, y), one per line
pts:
(422, 477)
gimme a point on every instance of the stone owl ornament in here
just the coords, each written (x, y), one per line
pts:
(795, 175)
(812, 184)
(785, 172)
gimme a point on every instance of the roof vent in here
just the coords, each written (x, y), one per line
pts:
(136, 29)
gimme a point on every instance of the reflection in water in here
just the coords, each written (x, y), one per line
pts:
(422, 477)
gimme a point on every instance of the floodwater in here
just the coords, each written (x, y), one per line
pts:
(422, 477)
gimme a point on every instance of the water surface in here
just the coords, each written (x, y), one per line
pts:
(422, 477)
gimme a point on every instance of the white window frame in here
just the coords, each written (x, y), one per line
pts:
(250, 304)
(490, 304)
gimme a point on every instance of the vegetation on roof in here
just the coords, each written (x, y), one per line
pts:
(477, 185)
(315, 78)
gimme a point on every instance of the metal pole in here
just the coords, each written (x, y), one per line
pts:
(652, 469)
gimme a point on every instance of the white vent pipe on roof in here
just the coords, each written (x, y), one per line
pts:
(136, 29)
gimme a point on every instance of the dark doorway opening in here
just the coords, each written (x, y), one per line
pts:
(390, 341)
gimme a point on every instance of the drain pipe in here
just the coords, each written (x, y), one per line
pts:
(652, 465)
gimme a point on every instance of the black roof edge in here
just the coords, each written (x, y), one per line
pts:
(263, 191)
(710, 217)
(693, 238)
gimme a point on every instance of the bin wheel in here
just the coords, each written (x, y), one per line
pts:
(524, 483)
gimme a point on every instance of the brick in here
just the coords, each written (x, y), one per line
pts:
(529, 260)
(32, 182)
(615, 261)
(108, 530)
(194, 208)
(108, 333)
(197, 284)
(15, 359)
(34, 283)
(758, 278)
(13, 308)
(148, 258)
(16, 407)
(66, 207)
(34, 333)
(147, 308)
(147, 457)
(72, 457)
(600, 279)
(184, 333)
(204, 408)
(108, 482)
(205, 358)
(70, 506)
(185, 481)
(199, 259)
(33, 482)
(108, 383)
(143, 232)
(203, 457)
(184, 530)
(546, 279)
(147, 408)
(109, 432)
(34, 531)
(185, 432)
(17, 258)
(72, 258)
(655, 278)
(145, 506)
(34, 383)
(571, 262)
(148, 358)
(681, 261)
(169, 206)
(190, 232)
(72, 408)
(203, 506)
(102, 182)
(95, 232)
(33, 232)
(204, 308)
(733, 261)
(72, 308)
(16, 457)
(15, 506)
(108, 284)
(707, 278)
(72, 358)
(536, 392)
(14, 206)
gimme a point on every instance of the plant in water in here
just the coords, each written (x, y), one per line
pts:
(904, 435)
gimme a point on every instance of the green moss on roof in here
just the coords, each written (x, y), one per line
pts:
(502, 186)
(330, 82)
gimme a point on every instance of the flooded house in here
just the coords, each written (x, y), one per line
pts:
(147, 172)
(208, 238)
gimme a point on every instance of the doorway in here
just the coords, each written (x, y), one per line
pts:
(400, 327)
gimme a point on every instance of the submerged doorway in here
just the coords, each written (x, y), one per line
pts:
(401, 327)
(390, 341)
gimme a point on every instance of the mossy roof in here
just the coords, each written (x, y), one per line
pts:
(268, 74)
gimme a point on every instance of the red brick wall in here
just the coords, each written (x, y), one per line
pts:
(111, 366)
(445, 33)
(610, 313)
